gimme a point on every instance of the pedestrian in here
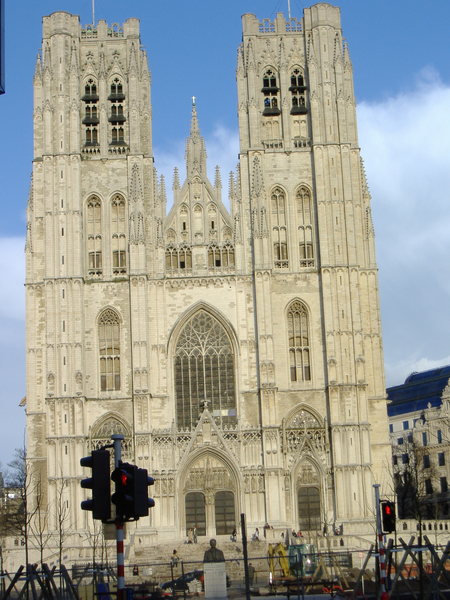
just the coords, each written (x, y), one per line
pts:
(190, 535)
(194, 535)
(174, 559)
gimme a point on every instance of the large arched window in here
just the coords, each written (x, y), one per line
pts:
(204, 371)
(109, 347)
(94, 236)
(299, 356)
(280, 248)
(304, 211)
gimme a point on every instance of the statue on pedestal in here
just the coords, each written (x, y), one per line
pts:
(213, 554)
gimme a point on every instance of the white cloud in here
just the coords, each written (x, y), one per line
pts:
(405, 141)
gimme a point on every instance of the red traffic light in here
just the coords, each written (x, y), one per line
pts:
(387, 516)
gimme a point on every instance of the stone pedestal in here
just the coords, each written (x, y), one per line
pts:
(215, 580)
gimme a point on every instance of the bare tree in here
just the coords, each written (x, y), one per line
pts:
(28, 515)
(38, 519)
(62, 516)
(415, 483)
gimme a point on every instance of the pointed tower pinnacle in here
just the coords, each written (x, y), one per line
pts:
(195, 148)
(176, 179)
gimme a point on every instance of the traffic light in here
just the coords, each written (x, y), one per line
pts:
(388, 516)
(99, 483)
(131, 495)
(142, 501)
(123, 497)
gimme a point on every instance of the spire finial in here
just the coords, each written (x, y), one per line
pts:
(193, 100)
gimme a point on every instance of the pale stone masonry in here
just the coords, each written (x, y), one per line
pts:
(238, 350)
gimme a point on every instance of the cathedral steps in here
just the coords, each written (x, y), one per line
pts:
(155, 561)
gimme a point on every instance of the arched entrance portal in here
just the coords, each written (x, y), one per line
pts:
(210, 497)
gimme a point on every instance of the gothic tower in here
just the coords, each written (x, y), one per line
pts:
(237, 349)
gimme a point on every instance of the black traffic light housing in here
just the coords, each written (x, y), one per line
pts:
(99, 483)
(387, 516)
(131, 493)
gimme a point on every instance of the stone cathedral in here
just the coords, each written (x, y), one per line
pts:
(236, 345)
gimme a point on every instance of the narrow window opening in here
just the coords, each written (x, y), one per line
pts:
(109, 344)
(298, 339)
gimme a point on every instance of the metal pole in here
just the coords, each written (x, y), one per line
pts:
(244, 549)
(383, 594)
(117, 442)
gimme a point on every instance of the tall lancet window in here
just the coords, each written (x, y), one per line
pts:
(118, 241)
(94, 236)
(299, 353)
(204, 372)
(305, 228)
(279, 231)
(109, 347)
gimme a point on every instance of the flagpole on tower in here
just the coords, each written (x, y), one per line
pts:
(93, 12)
(289, 8)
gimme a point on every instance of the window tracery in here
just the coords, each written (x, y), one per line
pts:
(109, 349)
(298, 92)
(279, 229)
(204, 372)
(178, 257)
(101, 434)
(117, 115)
(298, 339)
(90, 120)
(118, 235)
(305, 229)
(221, 256)
(270, 92)
(94, 236)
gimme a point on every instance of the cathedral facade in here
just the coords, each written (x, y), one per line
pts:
(236, 346)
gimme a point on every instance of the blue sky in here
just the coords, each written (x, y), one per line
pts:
(401, 57)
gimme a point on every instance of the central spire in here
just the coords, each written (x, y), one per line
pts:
(195, 148)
